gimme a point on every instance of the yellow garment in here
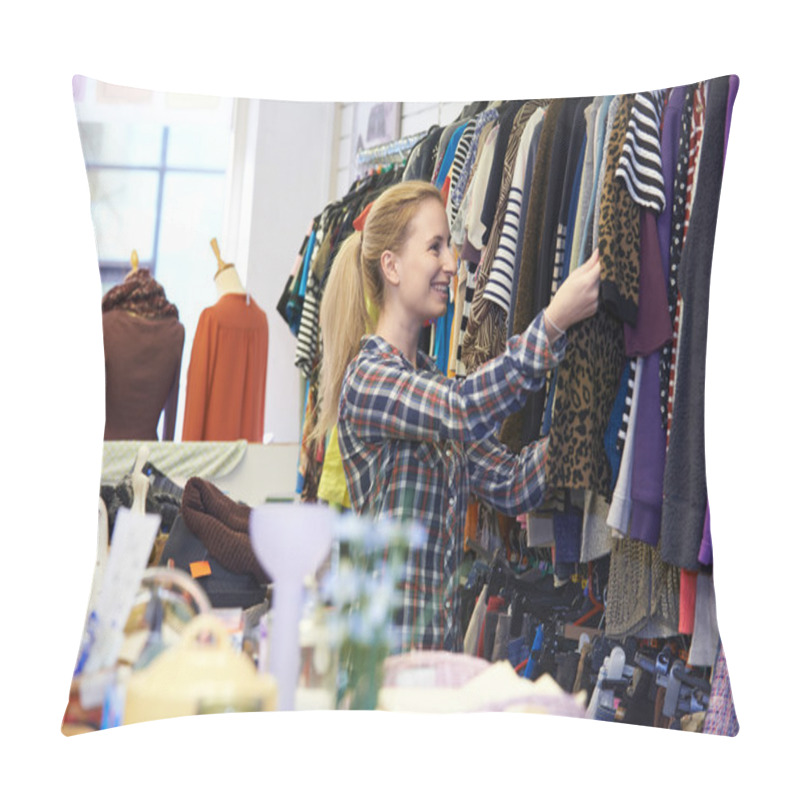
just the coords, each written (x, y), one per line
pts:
(372, 312)
(332, 483)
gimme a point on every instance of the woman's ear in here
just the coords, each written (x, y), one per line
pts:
(389, 268)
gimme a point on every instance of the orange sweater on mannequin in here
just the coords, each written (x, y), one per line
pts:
(227, 375)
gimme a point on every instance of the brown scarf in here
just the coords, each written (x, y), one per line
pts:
(140, 294)
(222, 525)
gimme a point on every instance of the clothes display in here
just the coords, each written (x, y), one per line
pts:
(517, 516)
(531, 189)
(227, 375)
(143, 344)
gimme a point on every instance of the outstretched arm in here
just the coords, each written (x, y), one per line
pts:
(383, 397)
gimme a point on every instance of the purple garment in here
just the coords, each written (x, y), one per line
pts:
(654, 326)
(649, 455)
(704, 556)
(650, 439)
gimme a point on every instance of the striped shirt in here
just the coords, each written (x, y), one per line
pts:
(415, 444)
(459, 160)
(459, 185)
(501, 277)
(307, 346)
(640, 161)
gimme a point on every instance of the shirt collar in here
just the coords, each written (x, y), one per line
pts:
(377, 344)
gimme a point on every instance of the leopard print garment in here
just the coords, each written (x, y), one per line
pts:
(588, 378)
(586, 385)
(618, 240)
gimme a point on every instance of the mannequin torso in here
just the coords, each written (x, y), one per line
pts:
(227, 281)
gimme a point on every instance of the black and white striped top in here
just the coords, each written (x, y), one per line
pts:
(640, 163)
(308, 333)
(499, 284)
(459, 160)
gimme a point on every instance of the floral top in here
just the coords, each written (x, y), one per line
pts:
(415, 444)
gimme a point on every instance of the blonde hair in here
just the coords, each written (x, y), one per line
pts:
(355, 286)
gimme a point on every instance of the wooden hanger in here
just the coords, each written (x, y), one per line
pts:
(221, 265)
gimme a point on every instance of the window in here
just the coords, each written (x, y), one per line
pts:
(153, 188)
(157, 166)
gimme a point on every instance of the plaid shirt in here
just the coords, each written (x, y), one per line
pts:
(415, 444)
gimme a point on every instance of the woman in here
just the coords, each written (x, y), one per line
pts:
(414, 443)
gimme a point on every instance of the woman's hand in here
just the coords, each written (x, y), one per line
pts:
(577, 298)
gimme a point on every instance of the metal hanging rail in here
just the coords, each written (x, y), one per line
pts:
(384, 153)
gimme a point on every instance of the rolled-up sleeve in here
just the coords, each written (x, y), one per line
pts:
(513, 484)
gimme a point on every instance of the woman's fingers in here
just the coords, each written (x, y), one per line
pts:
(579, 295)
(594, 259)
(592, 284)
(593, 264)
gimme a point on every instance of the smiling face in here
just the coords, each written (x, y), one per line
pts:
(424, 267)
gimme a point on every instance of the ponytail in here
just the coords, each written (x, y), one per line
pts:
(343, 321)
(354, 289)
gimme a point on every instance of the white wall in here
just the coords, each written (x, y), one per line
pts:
(291, 168)
(292, 159)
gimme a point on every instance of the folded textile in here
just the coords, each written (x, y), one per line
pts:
(222, 524)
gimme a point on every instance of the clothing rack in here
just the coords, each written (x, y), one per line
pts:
(390, 152)
(489, 309)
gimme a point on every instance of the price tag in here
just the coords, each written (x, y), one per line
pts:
(131, 544)
(199, 568)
